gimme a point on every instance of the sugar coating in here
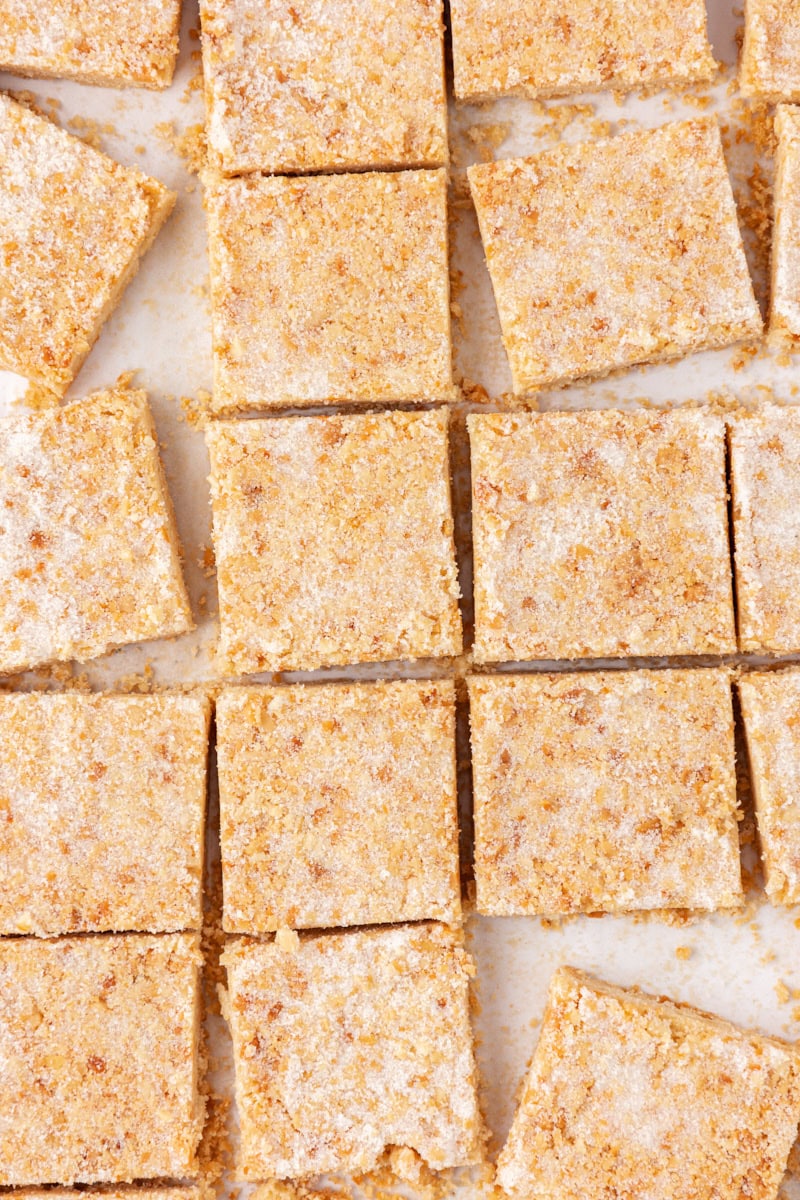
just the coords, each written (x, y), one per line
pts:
(93, 41)
(540, 48)
(631, 1095)
(73, 227)
(765, 487)
(604, 792)
(127, 1192)
(334, 540)
(98, 1041)
(338, 805)
(314, 86)
(102, 805)
(89, 556)
(621, 251)
(770, 707)
(366, 317)
(348, 1044)
(770, 63)
(784, 313)
(600, 534)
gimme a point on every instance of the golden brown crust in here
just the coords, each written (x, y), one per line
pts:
(770, 65)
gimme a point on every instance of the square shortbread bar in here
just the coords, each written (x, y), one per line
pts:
(89, 555)
(630, 1095)
(542, 48)
(610, 253)
(770, 64)
(102, 806)
(765, 486)
(366, 314)
(307, 86)
(73, 226)
(93, 41)
(600, 534)
(126, 1192)
(347, 1045)
(770, 707)
(334, 540)
(338, 805)
(784, 312)
(604, 792)
(99, 1045)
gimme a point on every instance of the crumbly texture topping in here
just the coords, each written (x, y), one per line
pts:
(348, 1044)
(334, 540)
(784, 315)
(636, 1096)
(141, 1191)
(540, 48)
(338, 805)
(314, 86)
(770, 707)
(89, 557)
(98, 1041)
(102, 805)
(621, 251)
(73, 226)
(604, 792)
(770, 65)
(93, 41)
(366, 315)
(765, 485)
(600, 534)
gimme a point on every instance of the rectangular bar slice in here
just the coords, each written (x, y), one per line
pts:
(92, 41)
(615, 252)
(542, 48)
(99, 1040)
(304, 86)
(330, 289)
(784, 312)
(73, 226)
(140, 1191)
(600, 534)
(604, 792)
(631, 1095)
(338, 805)
(102, 808)
(334, 540)
(349, 1045)
(89, 553)
(770, 63)
(770, 708)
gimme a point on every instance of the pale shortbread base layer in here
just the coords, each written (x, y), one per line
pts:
(604, 792)
(784, 311)
(74, 225)
(629, 1095)
(770, 707)
(102, 807)
(348, 1044)
(315, 86)
(99, 1045)
(89, 554)
(770, 64)
(539, 48)
(621, 251)
(338, 805)
(600, 534)
(92, 41)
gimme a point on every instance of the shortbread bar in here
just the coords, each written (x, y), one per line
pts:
(784, 314)
(770, 65)
(328, 289)
(102, 804)
(630, 1095)
(621, 251)
(301, 86)
(770, 707)
(600, 534)
(604, 792)
(334, 540)
(765, 485)
(542, 48)
(338, 805)
(89, 555)
(92, 41)
(349, 1044)
(99, 1046)
(140, 1191)
(73, 226)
